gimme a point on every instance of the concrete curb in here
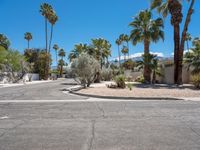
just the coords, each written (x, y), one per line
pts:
(74, 90)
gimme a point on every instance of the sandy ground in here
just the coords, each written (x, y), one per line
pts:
(143, 91)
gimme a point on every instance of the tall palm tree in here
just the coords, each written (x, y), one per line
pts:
(46, 10)
(125, 52)
(146, 30)
(118, 42)
(56, 48)
(174, 7)
(62, 54)
(127, 39)
(52, 19)
(28, 36)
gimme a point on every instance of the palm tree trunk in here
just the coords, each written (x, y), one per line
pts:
(183, 38)
(176, 51)
(154, 77)
(47, 59)
(147, 70)
(128, 49)
(119, 56)
(51, 36)
(28, 44)
(46, 34)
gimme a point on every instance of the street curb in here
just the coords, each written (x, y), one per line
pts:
(74, 90)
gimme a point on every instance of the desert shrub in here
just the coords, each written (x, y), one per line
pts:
(196, 80)
(120, 81)
(85, 68)
(140, 79)
(106, 74)
(130, 86)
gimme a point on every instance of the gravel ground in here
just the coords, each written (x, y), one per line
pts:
(143, 91)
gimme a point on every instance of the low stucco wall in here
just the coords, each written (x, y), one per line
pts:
(34, 77)
(168, 75)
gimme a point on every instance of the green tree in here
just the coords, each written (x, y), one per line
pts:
(125, 52)
(28, 36)
(46, 10)
(53, 18)
(192, 58)
(56, 48)
(62, 54)
(118, 42)
(174, 7)
(78, 49)
(102, 50)
(4, 42)
(188, 39)
(146, 30)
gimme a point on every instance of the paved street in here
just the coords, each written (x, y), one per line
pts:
(96, 125)
(42, 91)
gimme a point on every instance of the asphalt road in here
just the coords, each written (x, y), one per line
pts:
(97, 125)
(42, 91)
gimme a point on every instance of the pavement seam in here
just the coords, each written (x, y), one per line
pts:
(91, 142)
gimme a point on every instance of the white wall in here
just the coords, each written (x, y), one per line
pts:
(34, 77)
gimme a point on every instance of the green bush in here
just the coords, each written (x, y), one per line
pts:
(196, 80)
(120, 81)
(140, 79)
(106, 74)
(85, 68)
(130, 86)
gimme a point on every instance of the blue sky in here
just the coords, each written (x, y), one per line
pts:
(81, 20)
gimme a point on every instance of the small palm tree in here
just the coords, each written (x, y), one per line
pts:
(155, 69)
(62, 54)
(125, 52)
(188, 39)
(28, 37)
(192, 58)
(56, 48)
(146, 30)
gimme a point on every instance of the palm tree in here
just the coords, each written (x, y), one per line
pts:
(102, 50)
(146, 30)
(125, 38)
(28, 37)
(56, 48)
(174, 7)
(192, 57)
(4, 41)
(125, 52)
(118, 42)
(46, 10)
(62, 54)
(52, 19)
(155, 69)
(78, 49)
(188, 39)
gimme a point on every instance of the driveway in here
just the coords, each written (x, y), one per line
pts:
(42, 91)
(100, 125)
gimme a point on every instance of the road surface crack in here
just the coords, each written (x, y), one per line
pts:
(101, 110)
(91, 141)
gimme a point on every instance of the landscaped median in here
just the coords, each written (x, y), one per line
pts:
(139, 91)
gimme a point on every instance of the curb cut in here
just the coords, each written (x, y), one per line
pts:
(73, 90)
